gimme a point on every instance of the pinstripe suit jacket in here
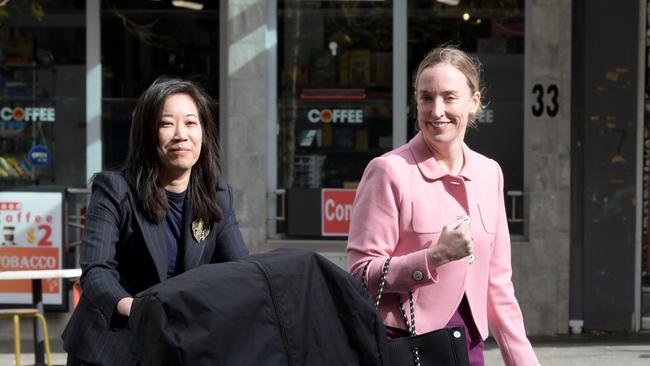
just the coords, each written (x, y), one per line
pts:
(123, 254)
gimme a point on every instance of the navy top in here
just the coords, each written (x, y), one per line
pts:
(174, 231)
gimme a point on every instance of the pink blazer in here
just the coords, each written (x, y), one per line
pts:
(401, 205)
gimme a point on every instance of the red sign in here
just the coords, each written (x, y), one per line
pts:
(336, 209)
(22, 259)
(10, 206)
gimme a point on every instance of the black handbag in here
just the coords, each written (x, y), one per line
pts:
(442, 347)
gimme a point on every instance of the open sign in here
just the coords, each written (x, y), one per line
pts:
(39, 156)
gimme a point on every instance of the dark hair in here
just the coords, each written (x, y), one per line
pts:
(142, 167)
(469, 66)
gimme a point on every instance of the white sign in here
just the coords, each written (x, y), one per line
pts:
(32, 239)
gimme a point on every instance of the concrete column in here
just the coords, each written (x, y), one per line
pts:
(93, 89)
(541, 265)
(243, 108)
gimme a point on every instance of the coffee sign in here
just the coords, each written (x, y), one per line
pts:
(347, 116)
(32, 239)
(13, 119)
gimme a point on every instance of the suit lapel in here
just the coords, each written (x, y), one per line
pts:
(192, 249)
(156, 242)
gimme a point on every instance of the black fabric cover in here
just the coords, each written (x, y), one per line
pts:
(285, 307)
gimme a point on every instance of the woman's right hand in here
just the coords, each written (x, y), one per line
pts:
(455, 242)
(124, 306)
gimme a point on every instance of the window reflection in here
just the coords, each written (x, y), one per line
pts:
(335, 100)
(335, 60)
(493, 31)
(42, 80)
(142, 40)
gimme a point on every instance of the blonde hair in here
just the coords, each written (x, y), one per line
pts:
(469, 66)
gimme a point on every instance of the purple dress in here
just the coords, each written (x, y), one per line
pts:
(461, 318)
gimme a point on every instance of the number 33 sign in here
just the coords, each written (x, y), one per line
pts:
(545, 100)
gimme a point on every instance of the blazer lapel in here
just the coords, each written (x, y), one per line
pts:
(192, 249)
(156, 242)
(424, 158)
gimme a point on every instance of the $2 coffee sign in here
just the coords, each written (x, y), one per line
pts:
(32, 225)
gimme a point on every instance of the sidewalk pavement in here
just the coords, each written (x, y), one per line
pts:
(599, 349)
(565, 350)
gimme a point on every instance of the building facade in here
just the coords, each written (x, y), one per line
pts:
(309, 91)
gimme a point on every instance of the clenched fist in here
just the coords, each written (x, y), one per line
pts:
(455, 242)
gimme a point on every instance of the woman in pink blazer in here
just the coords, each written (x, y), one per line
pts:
(437, 208)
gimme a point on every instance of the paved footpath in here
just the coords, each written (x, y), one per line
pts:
(569, 350)
(585, 350)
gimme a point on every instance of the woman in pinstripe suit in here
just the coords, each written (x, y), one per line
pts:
(167, 211)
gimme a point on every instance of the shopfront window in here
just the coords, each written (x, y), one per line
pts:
(335, 102)
(493, 31)
(142, 40)
(42, 93)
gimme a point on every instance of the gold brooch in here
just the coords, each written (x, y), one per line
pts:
(199, 231)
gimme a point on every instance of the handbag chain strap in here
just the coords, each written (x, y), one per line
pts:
(382, 283)
(410, 324)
